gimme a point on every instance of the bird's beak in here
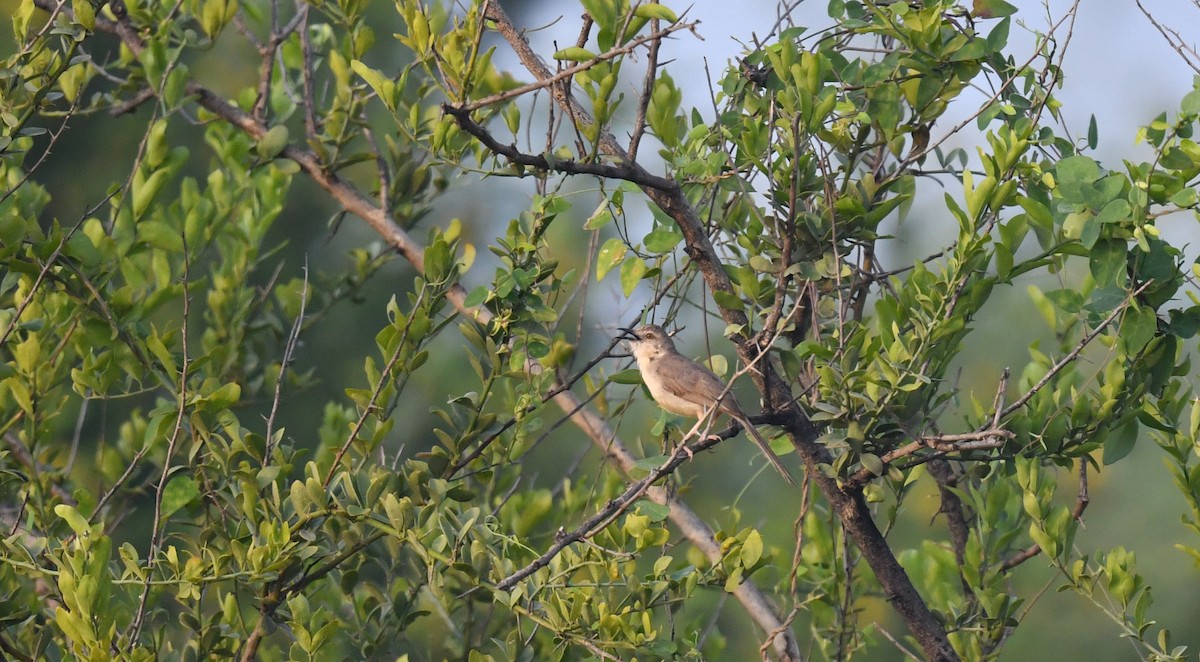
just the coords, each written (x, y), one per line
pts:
(627, 334)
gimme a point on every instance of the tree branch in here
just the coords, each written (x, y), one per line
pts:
(541, 162)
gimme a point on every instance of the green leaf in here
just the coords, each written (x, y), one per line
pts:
(1115, 211)
(574, 54)
(156, 346)
(648, 464)
(884, 107)
(654, 10)
(599, 219)
(76, 521)
(1076, 170)
(28, 354)
(1191, 103)
(661, 240)
(383, 86)
(1066, 300)
(1081, 225)
(85, 14)
(734, 580)
(1137, 327)
(872, 463)
(477, 297)
(632, 270)
(997, 39)
(224, 397)
(1038, 213)
(728, 300)
(272, 143)
(630, 376)
(611, 254)
(763, 264)
(992, 9)
(655, 511)
(1185, 324)
(179, 491)
(752, 550)
(215, 14)
(160, 235)
(1106, 260)
(1119, 442)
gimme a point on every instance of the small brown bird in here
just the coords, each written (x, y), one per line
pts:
(684, 387)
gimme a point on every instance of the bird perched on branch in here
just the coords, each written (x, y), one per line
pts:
(682, 386)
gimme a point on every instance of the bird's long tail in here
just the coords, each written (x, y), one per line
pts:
(766, 449)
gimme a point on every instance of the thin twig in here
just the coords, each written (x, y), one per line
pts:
(613, 509)
(176, 432)
(289, 352)
(568, 72)
(310, 102)
(639, 121)
(1081, 503)
(1066, 360)
(369, 407)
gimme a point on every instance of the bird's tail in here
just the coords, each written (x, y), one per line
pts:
(766, 449)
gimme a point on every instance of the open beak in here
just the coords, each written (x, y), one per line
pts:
(627, 334)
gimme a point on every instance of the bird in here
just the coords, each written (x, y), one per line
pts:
(682, 386)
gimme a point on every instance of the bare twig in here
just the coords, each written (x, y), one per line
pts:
(639, 121)
(176, 432)
(289, 351)
(1071, 356)
(1175, 40)
(310, 102)
(602, 518)
(565, 74)
(369, 408)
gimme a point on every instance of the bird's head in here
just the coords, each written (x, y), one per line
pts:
(650, 339)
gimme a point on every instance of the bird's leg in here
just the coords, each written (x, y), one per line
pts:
(706, 421)
(694, 430)
(690, 433)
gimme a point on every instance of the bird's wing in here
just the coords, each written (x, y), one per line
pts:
(703, 387)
